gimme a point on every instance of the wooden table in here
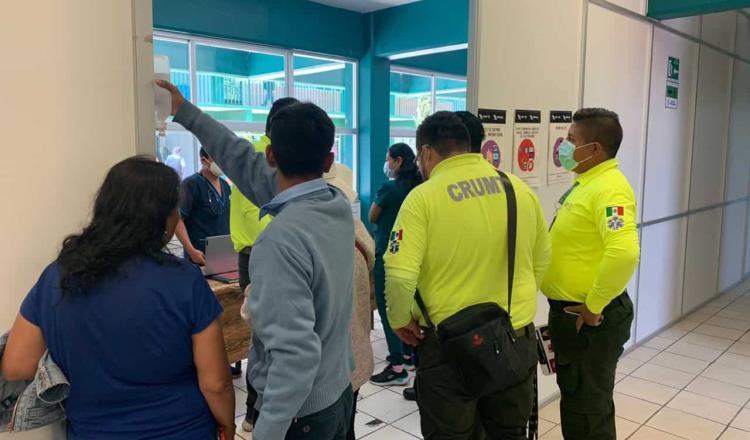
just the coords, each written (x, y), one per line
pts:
(237, 332)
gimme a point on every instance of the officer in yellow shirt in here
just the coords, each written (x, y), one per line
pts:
(450, 242)
(594, 253)
(245, 225)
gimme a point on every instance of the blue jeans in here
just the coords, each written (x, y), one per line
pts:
(330, 424)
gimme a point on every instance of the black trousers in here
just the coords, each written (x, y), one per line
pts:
(330, 424)
(449, 412)
(586, 364)
(243, 265)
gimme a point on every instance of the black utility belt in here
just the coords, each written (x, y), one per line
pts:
(523, 332)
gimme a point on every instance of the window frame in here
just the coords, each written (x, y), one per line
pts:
(434, 76)
(193, 41)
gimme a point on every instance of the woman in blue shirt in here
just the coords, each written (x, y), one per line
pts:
(135, 330)
(401, 169)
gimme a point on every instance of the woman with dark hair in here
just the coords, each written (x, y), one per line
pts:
(401, 169)
(134, 329)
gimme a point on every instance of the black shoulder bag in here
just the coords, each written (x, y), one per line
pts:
(480, 340)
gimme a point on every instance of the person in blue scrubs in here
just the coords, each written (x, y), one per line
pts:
(135, 330)
(204, 209)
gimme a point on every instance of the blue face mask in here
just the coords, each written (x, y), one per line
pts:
(565, 154)
(387, 171)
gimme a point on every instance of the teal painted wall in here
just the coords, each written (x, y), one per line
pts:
(421, 25)
(294, 24)
(664, 9)
(452, 63)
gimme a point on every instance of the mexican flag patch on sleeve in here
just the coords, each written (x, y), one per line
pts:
(615, 216)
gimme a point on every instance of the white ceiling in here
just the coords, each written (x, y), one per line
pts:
(364, 5)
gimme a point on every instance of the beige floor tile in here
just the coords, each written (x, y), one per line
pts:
(625, 428)
(733, 323)
(410, 424)
(389, 433)
(731, 313)
(745, 339)
(633, 409)
(719, 390)
(545, 426)
(743, 420)
(705, 407)
(728, 374)
(658, 343)
(619, 377)
(627, 366)
(735, 434)
(240, 398)
(707, 341)
(643, 354)
(673, 334)
(685, 425)
(387, 406)
(719, 332)
(740, 348)
(687, 326)
(645, 390)
(664, 376)
(679, 362)
(695, 351)
(240, 433)
(365, 424)
(699, 317)
(646, 433)
(554, 434)
(733, 360)
(551, 412)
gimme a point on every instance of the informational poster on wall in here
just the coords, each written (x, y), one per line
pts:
(559, 123)
(526, 146)
(672, 95)
(496, 146)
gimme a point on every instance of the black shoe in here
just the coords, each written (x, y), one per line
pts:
(389, 377)
(236, 371)
(410, 394)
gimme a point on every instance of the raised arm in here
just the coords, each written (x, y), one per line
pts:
(236, 156)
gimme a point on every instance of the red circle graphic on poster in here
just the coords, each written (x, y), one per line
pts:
(491, 152)
(556, 152)
(526, 155)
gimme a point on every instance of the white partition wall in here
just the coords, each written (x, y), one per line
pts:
(689, 164)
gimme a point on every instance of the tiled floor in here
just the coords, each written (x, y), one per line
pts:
(692, 381)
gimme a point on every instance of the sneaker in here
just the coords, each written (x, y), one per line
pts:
(247, 424)
(409, 364)
(389, 377)
(410, 394)
(236, 371)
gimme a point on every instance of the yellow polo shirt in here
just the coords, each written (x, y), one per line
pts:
(450, 242)
(244, 225)
(594, 239)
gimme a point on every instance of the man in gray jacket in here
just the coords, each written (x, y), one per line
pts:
(301, 267)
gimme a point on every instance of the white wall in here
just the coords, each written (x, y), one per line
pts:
(68, 114)
(686, 165)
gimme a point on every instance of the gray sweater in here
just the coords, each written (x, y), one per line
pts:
(301, 268)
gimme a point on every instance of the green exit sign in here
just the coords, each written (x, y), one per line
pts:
(673, 69)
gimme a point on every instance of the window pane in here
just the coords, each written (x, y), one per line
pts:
(179, 64)
(450, 94)
(238, 85)
(327, 83)
(410, 141)
(179, 153)
(411, 99)
(344, 146)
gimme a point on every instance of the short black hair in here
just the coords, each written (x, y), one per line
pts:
(475, 127)
(276, 107)
(444, 132)
(204, 154)
(601, 125)
(301, 139)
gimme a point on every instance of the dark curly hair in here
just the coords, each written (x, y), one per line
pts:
(129, 219)
(409, 172)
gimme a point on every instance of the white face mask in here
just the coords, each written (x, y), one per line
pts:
(215, 170)
(387, 170)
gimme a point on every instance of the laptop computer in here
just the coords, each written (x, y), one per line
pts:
(221, 260)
